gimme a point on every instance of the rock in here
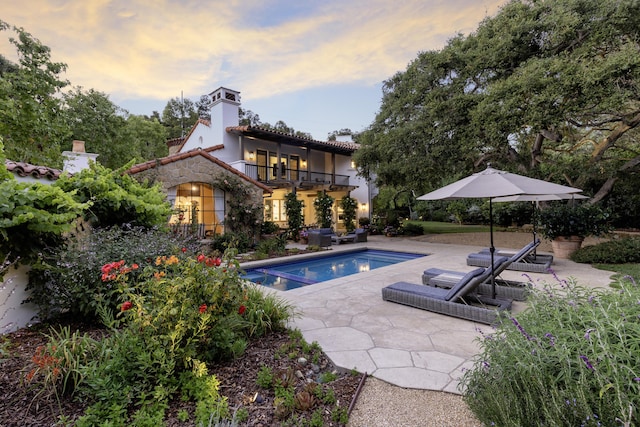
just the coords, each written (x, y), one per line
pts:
(302, 361)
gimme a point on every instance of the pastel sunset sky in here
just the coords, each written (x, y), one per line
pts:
(316, 65)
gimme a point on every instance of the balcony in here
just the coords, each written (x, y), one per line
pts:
(280, 177)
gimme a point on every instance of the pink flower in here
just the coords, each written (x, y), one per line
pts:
(126, 306)
(202, 308)
(242, 309)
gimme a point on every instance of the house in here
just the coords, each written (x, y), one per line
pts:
(74, 161)
(272, 163)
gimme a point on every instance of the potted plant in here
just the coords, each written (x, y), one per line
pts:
(567, 226)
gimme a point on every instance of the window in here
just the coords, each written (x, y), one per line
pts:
(198, 207)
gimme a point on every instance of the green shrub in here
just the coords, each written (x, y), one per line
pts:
(273, 245)
(570, 359)
(620, 251)
(116, 198)
(67, 277)
(230, 240)
(269, 227)
(411, 229)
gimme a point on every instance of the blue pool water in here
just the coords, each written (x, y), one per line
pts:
(286, 276)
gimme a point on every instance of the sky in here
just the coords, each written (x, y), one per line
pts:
(317, 65)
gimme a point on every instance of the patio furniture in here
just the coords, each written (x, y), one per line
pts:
(320, 237)
(356, 236)
(531, 262)
(504, 288)
(460, 301)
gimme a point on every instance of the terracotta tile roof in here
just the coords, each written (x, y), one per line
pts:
(341, 147)
(27, 169)
(192, 153)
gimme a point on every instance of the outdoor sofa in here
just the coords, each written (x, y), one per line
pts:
(462, 300)
(356, 236)
(320, 237)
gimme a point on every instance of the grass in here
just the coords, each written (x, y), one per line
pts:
(621, 270)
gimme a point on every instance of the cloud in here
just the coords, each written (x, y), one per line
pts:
(155, 49)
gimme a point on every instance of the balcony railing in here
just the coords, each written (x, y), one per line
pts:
(275, 174)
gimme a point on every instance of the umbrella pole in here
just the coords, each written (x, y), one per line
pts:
(535, 219)
(492, 250)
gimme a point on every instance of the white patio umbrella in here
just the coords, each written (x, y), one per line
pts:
(492, 183)
(536, 199)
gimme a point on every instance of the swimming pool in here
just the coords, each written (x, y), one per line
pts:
(292, 275)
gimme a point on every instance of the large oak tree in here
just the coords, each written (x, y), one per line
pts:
(545, 88)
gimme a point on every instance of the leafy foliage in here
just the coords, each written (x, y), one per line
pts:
(295, 218)
(33, 217)
(349, 207)
(619, 251)
(547, 89)
(566, 220)
(65, 278)
(31, 122)
(569, 359)
(116, 198)
(323, 205)
(243, 216)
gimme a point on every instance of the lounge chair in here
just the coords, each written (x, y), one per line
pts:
(532, 262)
(461, 300)
(504, 288)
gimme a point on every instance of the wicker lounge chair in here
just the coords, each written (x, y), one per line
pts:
(532, 262)
(460, 301)
(504, 288)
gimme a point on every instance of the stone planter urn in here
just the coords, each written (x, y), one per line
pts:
(564, 246)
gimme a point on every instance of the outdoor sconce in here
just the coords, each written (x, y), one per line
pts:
(363, 206)
(304, 163)
(353, 164)
(251, 155)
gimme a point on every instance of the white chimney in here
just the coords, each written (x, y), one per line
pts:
(77, 159)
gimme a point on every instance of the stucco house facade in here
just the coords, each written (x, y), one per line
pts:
(271, 163)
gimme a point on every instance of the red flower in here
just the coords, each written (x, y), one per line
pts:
(184, 250)
(134, 266)
(126, 306)
(242, 309)
(202, 308)
(218, 262)
(200, 258)
(210, 262)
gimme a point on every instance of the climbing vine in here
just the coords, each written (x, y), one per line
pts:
(323, 205)
(295, 219)
(349, 206)
(242, 215)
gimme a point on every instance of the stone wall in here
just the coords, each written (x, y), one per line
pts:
(195, 169)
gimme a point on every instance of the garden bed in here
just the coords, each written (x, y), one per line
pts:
(21, 405)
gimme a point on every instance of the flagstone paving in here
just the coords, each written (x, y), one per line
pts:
(401, 345)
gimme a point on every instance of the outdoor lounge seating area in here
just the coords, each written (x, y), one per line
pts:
(324, 237)
(462, 300)
(532, 262)
(476, 295)
(504, 288)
